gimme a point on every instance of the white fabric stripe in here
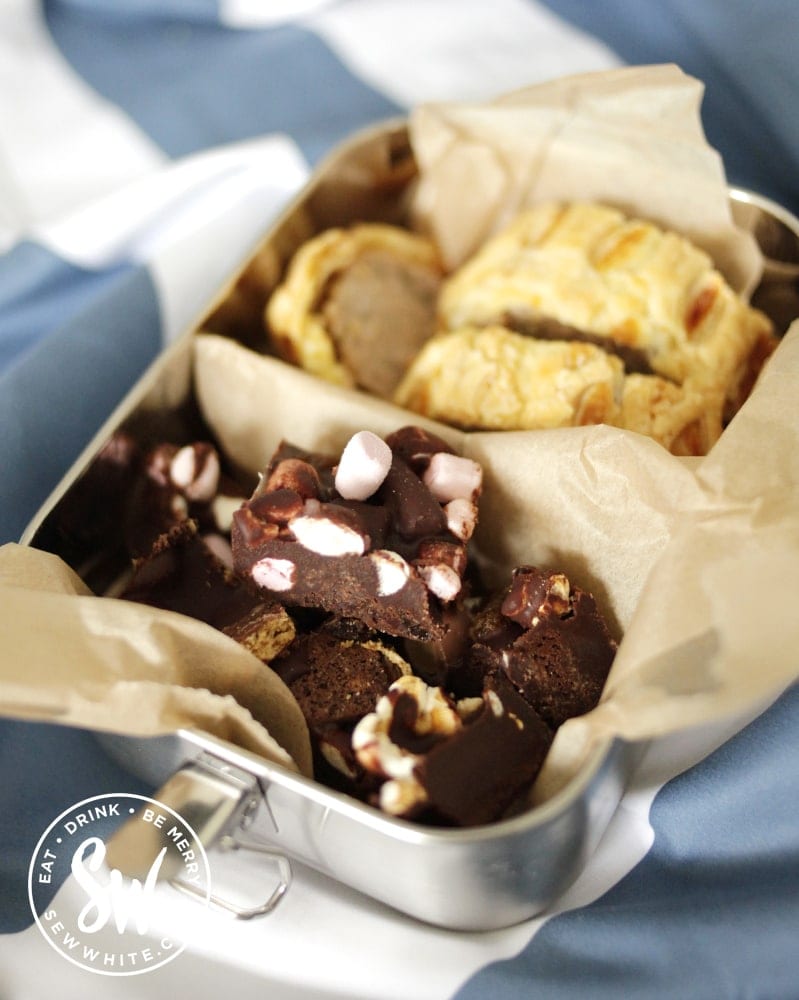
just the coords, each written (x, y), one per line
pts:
(257, 14)
(427, 51)
(191, 222)
(60, 143)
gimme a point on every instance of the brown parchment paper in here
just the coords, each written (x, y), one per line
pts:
(77, 659)
(695, 562)
(630, 137)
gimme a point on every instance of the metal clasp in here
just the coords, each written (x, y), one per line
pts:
(220, 802)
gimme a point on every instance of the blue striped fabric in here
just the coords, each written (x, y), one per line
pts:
(712, 911)
(223, 85)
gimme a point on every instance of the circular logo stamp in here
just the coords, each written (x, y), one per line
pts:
(102, 880)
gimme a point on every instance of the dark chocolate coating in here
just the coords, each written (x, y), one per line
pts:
(182, 574)
(558, 661)
(476, 775)
(402, 517)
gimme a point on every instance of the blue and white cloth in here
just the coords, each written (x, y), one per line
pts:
(144, 146)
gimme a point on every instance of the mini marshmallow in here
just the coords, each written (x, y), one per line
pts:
(461, 517)
(451, 477)
(441, 580)
(392, 571)
(197, 483)
(327, 537)
(274, 574)
(363, 466)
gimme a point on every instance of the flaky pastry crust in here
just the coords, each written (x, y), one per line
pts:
(496, 379)
(295, 315)
(589, 268)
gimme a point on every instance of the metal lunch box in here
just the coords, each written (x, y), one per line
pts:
(468, 879)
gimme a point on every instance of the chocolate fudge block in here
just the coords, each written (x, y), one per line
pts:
(366, 536)
(550, 641)
(182, 573)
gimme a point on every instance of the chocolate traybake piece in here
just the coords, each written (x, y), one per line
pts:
(183, 573)
(176, 483)
(368, 535)
(451, 763)
(337, 673)
(550, 641)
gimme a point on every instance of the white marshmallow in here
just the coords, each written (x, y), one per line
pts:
(461, 517)
(274, 574)
(327, 537)
(363, 466)
(392, 571)
(451, 477)
(441, 580)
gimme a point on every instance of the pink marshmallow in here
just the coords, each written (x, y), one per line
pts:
(450, 477)
(363, 466)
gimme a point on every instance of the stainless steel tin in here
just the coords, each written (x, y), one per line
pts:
(474, 879)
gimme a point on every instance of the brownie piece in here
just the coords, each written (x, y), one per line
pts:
(549, 639)
(367, 535)
(182, 573)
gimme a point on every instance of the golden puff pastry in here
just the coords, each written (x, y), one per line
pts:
(588, 269)
(496, 379)
(356, 305)
(682, 418)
